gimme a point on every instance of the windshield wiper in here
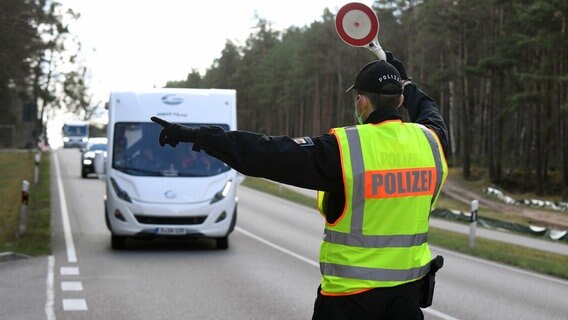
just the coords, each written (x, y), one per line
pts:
(189, 174)
(140, 171)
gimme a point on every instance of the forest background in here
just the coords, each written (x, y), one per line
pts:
(496, 68)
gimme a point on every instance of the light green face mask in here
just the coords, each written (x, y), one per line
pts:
(358, 117)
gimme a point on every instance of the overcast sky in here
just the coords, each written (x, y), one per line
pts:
(142, 44)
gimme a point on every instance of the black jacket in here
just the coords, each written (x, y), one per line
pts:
(308, 162)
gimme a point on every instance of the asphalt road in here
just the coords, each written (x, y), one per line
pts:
(269, 271)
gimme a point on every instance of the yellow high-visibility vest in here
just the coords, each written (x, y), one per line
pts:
(393, 173)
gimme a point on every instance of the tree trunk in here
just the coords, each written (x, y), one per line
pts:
(465, 119)
(564, 145)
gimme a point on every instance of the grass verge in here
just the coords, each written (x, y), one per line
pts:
(19, 165)
(518, 256)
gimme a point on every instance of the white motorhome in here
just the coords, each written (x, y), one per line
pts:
(154, 191)
(75, 133)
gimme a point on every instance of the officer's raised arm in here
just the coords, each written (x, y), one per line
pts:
(421, 108)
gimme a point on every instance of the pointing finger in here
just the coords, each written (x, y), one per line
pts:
(161, 122)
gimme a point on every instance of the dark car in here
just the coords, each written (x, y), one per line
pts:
(94, 146)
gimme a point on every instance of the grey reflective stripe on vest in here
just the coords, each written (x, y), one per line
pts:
(374, 274)
(437, 160)
(358, 174)
(365, 241)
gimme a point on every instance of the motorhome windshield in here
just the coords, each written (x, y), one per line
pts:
(74, 130)
(136, 151)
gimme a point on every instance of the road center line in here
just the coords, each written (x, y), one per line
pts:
(71, 286)
(431, 311)
(49, 301)
(75, 305)
(69, 271)
(70, 246)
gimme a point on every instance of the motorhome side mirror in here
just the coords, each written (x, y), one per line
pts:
(99, 163)
(240, 177)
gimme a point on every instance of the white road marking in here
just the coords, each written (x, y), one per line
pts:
(316, 264)
(438, 314)
(71, 254)
(74, 305)
(68, 304)
(279, 248)
(71, 286)
(49, 301)
(69, 271)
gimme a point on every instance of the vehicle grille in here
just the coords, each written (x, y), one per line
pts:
(170, 220)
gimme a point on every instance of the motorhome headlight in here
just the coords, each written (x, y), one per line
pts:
(119, 192)
(223, 193)
(85, 139)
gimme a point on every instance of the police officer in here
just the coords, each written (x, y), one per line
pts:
(377, 182)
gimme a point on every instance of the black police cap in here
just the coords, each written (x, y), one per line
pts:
(378, 77)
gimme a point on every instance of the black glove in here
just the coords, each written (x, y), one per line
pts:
(174, 133)
(398, 65)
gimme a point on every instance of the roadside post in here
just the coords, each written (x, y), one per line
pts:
(24, 208)
(36, 169)
(473, 223)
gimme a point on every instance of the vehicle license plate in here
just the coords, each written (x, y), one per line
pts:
(171, 231)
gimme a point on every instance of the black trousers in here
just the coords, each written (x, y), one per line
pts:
(400, 303)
